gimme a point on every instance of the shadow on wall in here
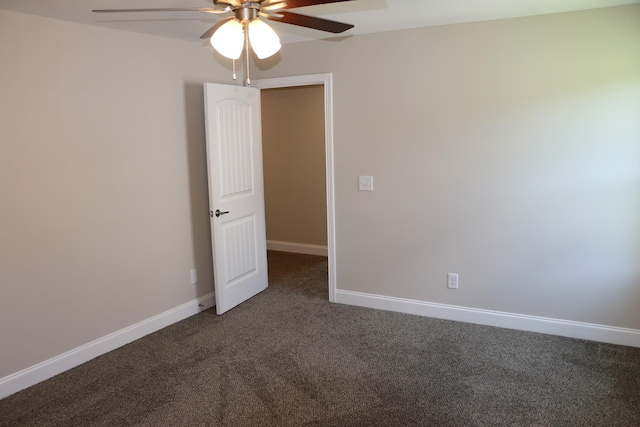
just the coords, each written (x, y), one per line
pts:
(198, 185)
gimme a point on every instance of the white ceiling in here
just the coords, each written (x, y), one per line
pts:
(368, 16)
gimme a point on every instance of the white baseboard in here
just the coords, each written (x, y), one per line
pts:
(565, 328)
(30, 376)
(297, 248)
(42, 371)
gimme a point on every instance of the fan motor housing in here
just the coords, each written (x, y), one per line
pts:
(248, 12)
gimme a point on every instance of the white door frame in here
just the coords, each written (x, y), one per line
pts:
(325, 80)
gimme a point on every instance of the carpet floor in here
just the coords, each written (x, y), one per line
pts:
(288, 357)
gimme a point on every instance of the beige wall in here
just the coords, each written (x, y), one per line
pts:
(102, 182)
(294, 164)
(505, 151)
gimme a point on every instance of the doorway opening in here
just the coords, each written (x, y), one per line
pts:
(298, 166)
(295, 185)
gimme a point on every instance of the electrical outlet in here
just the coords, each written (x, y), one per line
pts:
(452, 280)
(194, 276)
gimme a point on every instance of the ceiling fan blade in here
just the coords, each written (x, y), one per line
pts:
(213, 29)
(311, 22)
(177, 9)
(302, 3)
(227, 3)
(269, 15)
(275, 6)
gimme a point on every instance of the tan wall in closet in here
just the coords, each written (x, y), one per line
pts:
(294, 164)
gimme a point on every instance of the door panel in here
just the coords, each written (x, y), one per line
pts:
(240, 249)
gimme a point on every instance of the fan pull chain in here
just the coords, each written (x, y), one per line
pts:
(235, 77)
(246, 51)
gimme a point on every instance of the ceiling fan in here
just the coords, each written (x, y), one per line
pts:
(233, 34)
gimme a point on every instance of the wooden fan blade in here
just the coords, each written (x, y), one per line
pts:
(178, 9)
(311, 22)
(227, 3)
(213, 29)
(274, 6)
(302, 3)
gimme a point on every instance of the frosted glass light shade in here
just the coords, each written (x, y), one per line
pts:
(228, 40)
(264, 41)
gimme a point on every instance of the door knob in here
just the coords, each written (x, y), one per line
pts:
(219, 213)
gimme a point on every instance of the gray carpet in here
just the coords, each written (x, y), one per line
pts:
(289, 357)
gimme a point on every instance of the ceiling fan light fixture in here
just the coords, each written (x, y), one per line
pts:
(264, 40)
(228, 40)
(244, 31)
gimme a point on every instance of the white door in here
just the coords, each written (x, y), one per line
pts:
(236, 193)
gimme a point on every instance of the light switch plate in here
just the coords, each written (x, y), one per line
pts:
(365, 183)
